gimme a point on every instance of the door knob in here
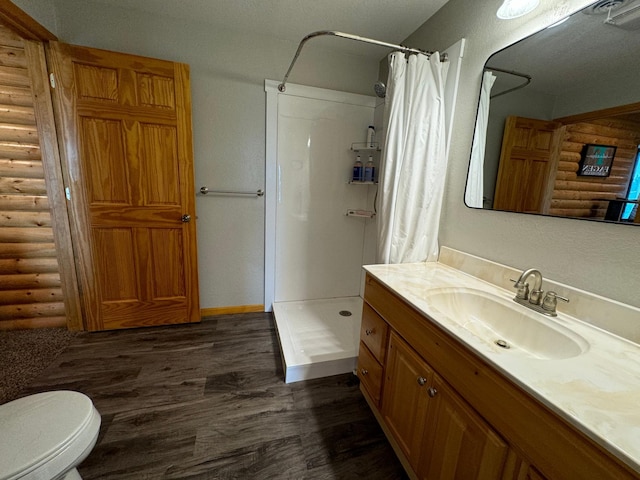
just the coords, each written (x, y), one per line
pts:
(186, 218)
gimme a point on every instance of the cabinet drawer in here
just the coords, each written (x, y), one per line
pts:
(370, 373)
(373, 332)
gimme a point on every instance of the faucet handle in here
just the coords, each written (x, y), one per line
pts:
(523, 289)
(551, 301)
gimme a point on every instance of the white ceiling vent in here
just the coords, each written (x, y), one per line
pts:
(627, 18)
(603, 7)
(620, 13)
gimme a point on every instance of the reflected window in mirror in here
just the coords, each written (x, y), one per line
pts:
(553, 95)
(631, 207)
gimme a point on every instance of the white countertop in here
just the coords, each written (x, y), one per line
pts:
(598, 391)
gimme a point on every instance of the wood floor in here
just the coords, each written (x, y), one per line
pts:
(208, 401)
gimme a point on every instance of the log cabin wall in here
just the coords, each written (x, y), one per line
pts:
(580, 196)
(30, 285)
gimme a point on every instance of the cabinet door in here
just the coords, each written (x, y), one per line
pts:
(458, 444)
(404, 401)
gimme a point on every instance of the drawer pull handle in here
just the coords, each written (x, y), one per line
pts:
(432, 392)
(422, 381)
(369, 331)
(364, 371)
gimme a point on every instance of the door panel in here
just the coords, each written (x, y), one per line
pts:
(103, 142)
(129, 163)
(159, 165)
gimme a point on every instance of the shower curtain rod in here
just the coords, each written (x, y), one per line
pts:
(510, 72)
(282, 87)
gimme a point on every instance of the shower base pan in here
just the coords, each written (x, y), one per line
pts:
(318, 338)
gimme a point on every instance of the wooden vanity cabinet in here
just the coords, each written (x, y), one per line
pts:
(448, 414)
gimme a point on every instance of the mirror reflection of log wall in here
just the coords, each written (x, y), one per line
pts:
(30, 285)
(578, 196)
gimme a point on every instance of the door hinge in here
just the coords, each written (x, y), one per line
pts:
(67, 193)
(52, 80)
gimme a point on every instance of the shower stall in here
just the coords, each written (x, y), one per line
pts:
(320, 227)
(319, 231)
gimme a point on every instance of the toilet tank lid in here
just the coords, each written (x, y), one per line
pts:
(34, 428)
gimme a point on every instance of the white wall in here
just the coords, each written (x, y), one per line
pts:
(227, 83)
(600, 258)
(43, 11)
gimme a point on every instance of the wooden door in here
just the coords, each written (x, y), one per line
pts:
(458, 444)
(126, 140)
(405, 399)
(528, 162)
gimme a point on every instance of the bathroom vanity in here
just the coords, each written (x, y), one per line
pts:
(557, 400)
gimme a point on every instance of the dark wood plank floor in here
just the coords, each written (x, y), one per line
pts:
(208, 401)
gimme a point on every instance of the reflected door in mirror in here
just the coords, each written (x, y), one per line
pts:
(528, 161)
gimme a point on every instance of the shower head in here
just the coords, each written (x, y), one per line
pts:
(380, 89)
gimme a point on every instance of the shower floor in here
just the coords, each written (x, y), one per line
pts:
(315, 339)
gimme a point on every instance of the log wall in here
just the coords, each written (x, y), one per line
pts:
(581, 196)
(30, 285)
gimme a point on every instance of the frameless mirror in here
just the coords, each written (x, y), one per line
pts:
(558, 125)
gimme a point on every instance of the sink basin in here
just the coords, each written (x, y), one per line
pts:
(505, 325)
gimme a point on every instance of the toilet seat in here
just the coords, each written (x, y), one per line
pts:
(44, 435)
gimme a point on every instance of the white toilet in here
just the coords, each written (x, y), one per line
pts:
(45, 436)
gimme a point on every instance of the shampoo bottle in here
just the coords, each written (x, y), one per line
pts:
(358, 173)
(369, 170)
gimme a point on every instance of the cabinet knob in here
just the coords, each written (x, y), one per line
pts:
(422, 381)
(186, 218)
(432, 392)
(364, 371)
(369, 331)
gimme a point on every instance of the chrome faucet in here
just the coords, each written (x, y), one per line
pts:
(533, 299)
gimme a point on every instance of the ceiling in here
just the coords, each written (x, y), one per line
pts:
(389, 21)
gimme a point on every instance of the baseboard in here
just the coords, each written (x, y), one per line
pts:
(206, 312)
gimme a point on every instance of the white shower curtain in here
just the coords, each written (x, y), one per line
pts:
(414, 160)
(475, 179)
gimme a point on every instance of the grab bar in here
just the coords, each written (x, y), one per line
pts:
(206, 191)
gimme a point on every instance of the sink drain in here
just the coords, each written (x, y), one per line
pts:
(345, 313)
(502, 344)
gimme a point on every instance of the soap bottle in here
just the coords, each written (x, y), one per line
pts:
(369, 170)
(358, 173)
(371, 136)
